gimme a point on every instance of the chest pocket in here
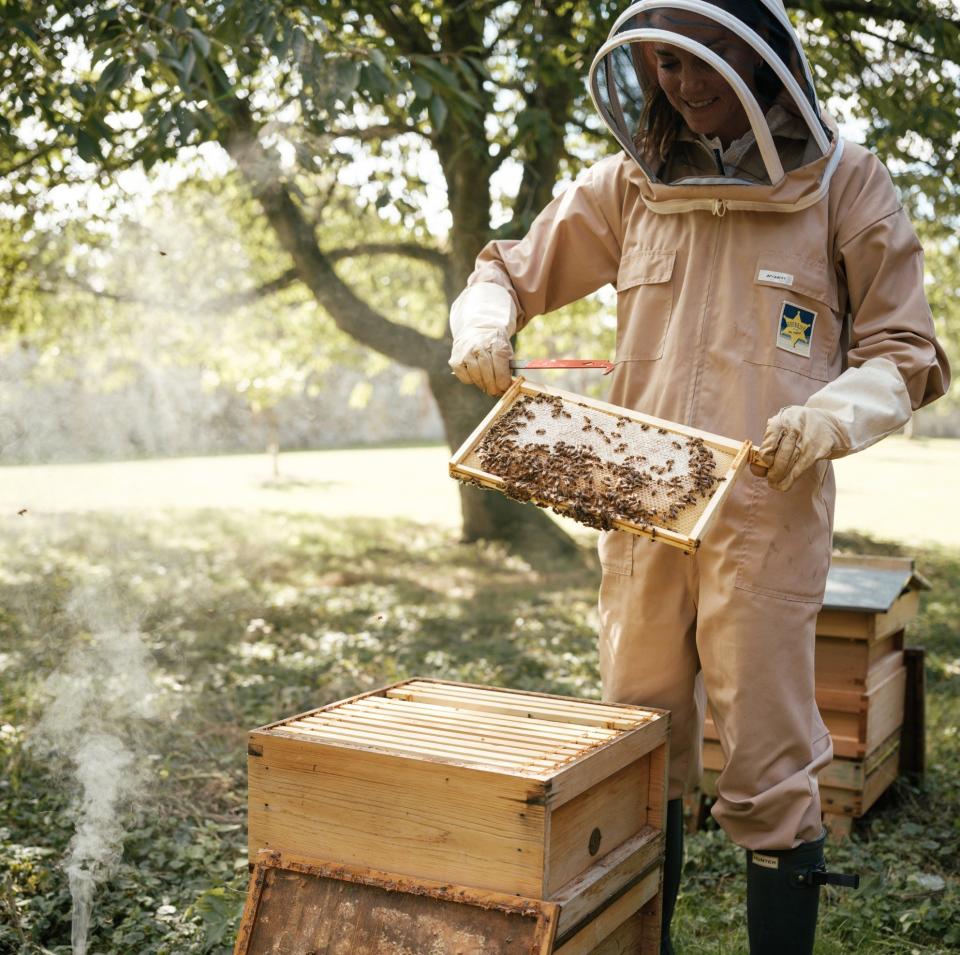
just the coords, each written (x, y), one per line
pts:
(644, 303)
(793, 320)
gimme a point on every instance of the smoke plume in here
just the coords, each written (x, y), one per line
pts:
(99, 700)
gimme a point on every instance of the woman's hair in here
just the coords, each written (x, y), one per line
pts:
(660, 123)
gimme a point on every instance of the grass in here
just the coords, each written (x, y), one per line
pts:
(254, 600)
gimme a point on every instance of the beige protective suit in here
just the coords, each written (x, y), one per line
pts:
(707, 275)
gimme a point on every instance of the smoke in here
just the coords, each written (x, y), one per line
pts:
(99, 700)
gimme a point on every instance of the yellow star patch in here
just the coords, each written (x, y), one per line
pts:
(795, 329)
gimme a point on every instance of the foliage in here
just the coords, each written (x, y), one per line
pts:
(484, 90)
(248, 620)
(192, 280)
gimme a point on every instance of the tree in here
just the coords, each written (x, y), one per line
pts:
(297, 92)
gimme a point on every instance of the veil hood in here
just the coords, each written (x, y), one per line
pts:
(752, 48)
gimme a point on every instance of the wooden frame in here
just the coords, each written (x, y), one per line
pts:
(423, 910)
(636, 909)
(739, 450)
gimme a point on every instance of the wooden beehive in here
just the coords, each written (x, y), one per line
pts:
(615, 435)
(862, 682)
(531, 795)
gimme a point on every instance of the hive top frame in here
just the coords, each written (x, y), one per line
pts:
(517, 733)
(687, 529)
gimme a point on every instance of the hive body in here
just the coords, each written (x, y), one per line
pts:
(537, 796)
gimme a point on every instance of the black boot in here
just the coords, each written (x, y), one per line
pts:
(672, 864)
(783, 896)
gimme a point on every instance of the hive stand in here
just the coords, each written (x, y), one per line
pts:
(869, 689)
(538, 797)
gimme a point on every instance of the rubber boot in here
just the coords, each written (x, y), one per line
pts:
(672, 864)
(783, 896)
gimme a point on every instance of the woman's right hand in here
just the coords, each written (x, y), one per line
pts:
(482, 320)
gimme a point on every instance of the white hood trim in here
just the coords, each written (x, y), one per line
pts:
(776, 7)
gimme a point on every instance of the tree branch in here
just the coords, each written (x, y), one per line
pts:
(899, 44)
(408, 249)
(29, 160)
(226, 303)
(380, 131)
(402, 28)
(349, 312)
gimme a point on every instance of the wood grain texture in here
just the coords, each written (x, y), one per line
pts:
(413, 817)
(846, 664)
(480, 786)
(607, 877)
(336, 910)
(579, 775)
(615, 810)
(584, 939)
(869, 626)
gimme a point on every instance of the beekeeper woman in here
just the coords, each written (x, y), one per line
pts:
(770, 287)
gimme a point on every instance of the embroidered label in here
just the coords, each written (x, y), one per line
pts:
(781, 278)
(795, 329)
(768, 862)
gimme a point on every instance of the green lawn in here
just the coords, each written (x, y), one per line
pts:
(175, 604)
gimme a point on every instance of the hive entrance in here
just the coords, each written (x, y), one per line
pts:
(606, 467)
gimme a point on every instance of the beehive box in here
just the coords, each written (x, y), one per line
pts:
(861, 681)
(310, 907)
(860, 630)
(601, 464)
(860, 673)
(532, 795)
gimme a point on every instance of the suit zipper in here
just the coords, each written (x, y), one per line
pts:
(719, 210)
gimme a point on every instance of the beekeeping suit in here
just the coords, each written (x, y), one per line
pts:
(770, 287)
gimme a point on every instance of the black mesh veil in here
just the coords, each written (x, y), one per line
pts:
(700, 90)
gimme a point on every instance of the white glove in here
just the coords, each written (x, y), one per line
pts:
(854, 411)
(482, 320)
